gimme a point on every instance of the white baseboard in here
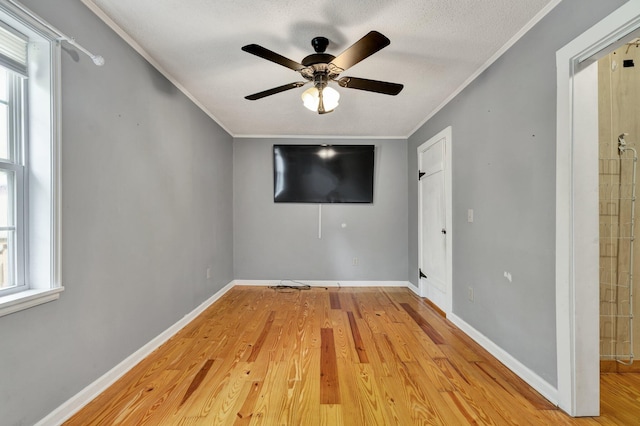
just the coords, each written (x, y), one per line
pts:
(413, 288)
(535, 381)
(314, 283)
(89, 393)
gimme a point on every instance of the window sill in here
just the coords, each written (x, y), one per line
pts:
(27, 299)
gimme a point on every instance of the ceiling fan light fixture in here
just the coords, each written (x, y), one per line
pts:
(311, 98)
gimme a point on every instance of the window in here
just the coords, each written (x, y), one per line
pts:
(29, 217)
(12, 165)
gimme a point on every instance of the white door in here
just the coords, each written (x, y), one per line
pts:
(433, 230)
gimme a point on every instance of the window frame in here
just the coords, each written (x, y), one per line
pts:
(15, 164)
(40, 205)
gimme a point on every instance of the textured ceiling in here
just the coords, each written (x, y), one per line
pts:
(436, 46)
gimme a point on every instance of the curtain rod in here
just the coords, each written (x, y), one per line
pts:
(97, 59)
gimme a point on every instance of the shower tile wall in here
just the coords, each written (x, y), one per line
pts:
(619, 112)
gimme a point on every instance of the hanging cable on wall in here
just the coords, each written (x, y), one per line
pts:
(97, 59)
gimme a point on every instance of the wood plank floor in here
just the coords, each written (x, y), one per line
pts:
(349, 356)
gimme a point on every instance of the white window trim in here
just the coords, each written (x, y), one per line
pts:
(27, 299)
(44, 262)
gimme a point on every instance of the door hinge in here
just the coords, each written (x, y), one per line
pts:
(422, 275)
(420, 174)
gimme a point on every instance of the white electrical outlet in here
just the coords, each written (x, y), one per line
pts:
(470, 294)
(208, 273)
(470, 215)
(354, 261)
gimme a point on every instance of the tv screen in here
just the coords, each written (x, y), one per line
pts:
(323, 173)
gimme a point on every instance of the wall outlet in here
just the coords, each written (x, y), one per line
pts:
(354, 261)
(470, 294)
(470, 215)
(209, 273)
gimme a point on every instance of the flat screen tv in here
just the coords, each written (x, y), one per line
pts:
(323, 173)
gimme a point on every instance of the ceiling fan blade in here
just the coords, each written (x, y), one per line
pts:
(361, 49)
(269, 55)
(370, 85)
(275, 90)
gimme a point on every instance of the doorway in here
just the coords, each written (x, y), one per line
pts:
(618, 142)
(577, 196)
(434, 220)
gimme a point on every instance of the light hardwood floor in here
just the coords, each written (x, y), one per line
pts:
(349, 356)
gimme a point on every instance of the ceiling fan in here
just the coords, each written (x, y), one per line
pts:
(322, 68)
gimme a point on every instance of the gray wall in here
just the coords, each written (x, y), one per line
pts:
(280, 241)
(504, 127)
(146, 207)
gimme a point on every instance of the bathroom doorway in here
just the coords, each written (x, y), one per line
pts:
(618, 144)
(577, 210)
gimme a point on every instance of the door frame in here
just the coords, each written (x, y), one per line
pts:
(445, 134)
(577, 306)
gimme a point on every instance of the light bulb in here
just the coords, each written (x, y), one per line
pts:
(311, 98)
(331, 98)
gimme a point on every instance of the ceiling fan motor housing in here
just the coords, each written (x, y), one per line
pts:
(317, 62)
(317, 58)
